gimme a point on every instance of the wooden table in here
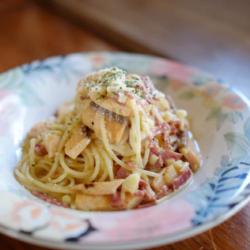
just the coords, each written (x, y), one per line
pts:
(30, 31)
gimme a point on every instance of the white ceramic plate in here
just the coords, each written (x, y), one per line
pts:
(220, 120)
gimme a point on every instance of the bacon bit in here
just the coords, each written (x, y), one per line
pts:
(48, 199)
(154, 150)
(164, 155)
(161, 128)
(116, 200)
(164, 190)
(181, 179)
(142, 184)
(148, 198)
(40, 150)
(159, 163)
(144, 190)
(164, 130)
(168, 154)
(140, 193)
(122, 173)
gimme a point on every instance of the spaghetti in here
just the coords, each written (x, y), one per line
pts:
(120, 144)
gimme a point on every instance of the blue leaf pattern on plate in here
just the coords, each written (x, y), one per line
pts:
(228, 189)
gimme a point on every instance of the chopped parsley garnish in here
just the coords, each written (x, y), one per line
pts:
(115, 81)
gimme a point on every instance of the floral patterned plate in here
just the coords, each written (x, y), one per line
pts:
(220, 119)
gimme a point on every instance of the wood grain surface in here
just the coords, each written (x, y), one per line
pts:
(212, 35)
(29, 31)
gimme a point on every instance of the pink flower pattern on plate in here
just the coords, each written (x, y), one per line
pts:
(166, 218)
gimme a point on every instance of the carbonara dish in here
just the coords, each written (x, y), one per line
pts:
(120, 144)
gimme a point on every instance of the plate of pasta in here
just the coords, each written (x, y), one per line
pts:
(119, 151)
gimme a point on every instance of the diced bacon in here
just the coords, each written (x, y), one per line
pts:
(168, 154)
(142, 184)
(164, 155)
(149, 198)
(40, 149)
(181, 179)
(140, 193)
(154, 149)
(164, 190)
(121, 173)
(164, 130)
(161, 128)
(116, 201)
(159, 163)
(148, 194)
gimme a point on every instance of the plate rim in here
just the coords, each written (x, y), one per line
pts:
(155, 242)
(123, 244)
